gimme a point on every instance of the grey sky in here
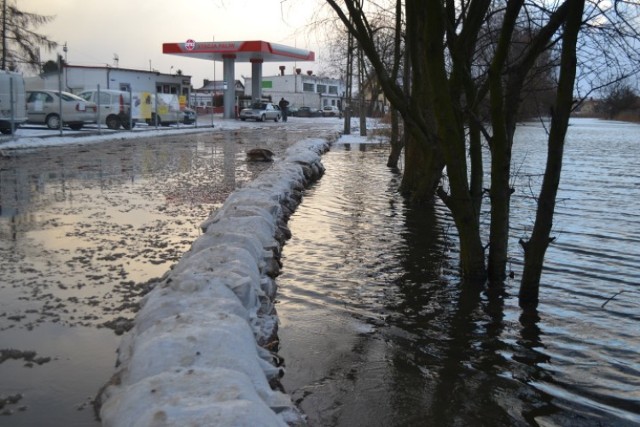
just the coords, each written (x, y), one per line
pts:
(134, 30)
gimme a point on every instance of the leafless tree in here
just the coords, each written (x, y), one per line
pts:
(473, 65)
(20, 42)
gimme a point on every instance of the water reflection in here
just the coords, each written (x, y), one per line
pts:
(377, 330)
(83, 230)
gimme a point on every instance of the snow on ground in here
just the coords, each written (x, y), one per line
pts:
(39, 136)
(198, 352)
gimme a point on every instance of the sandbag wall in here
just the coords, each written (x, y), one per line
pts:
(198, 353)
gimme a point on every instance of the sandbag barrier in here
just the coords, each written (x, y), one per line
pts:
(199, 352)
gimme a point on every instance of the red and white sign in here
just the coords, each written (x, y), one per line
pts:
(190, 44)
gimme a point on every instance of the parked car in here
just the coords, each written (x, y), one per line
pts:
(114, 107)
(43, 107)
(330, 111)
(261, 111)
(189, 116)
(308, 112)
(13, 104)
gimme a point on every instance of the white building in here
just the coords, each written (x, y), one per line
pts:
(301, 90)
(76, 78)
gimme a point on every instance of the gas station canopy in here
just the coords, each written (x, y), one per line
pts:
(241, 51)
(257, 52)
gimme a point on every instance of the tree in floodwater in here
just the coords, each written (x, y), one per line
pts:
(607, 28)
(466, 54)
(387, 26)
(20, 43)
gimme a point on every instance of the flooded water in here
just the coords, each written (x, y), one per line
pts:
(84, 230)
(375, 330)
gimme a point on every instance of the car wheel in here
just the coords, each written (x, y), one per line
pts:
(5, 131)
(127, 125)
(243, 119)
(76, 126)
(277, 118)
(53, 121)
(113, 122)
(262, 118)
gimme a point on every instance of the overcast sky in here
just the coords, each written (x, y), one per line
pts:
(134, 30)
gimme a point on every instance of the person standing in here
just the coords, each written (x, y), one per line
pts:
(284, 107)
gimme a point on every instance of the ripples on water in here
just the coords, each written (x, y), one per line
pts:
(375, 330)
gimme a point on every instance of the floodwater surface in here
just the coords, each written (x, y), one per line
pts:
(376, 330)
(85, 230)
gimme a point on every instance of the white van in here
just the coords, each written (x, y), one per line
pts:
(114, 107)
(15, 113)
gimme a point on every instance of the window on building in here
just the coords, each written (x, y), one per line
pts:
(307, 87)
(333, 90)
(322, 89)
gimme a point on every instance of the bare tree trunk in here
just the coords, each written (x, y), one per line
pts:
(500, 192)
(506, 83)
(477, 170)
(363, 110)
(423, 157)
(536, 247)
(451, 140)
(423, 169)
(395, 140)
(4, 34)
(396, 143)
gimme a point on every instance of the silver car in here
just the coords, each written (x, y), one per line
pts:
(261, 111)
(43, 107)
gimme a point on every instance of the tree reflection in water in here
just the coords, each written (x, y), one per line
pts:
(378, 330)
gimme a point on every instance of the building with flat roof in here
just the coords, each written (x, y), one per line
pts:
(300, 89)
(76, 78)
